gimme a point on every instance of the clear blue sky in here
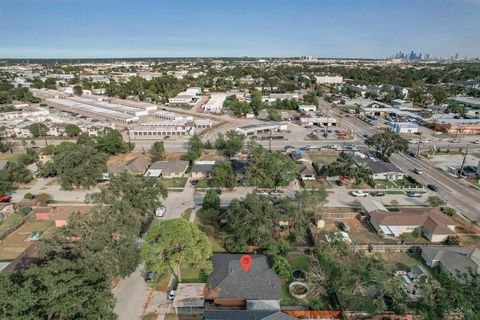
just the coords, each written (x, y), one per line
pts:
(167, 28)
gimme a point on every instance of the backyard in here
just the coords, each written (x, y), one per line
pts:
(318, 157)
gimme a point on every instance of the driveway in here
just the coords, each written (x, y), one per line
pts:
(132, 293)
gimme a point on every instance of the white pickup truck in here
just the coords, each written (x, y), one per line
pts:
(359, 193)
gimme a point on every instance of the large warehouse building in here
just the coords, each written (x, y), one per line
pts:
(92, 110)
(111, 106)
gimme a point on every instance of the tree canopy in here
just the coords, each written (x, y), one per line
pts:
(78, 165)
(211, 200)
(169, 244)
(222, 176)
(72, 130)
(110, 141)
(158, 151)
(38, 129)
(231, 143)
(269, 169)
(387, 143)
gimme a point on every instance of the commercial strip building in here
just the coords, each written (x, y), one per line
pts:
(92, 111)
(401, 104)
(165, 128)
(25, 113)
(327, 79)
(458, 126)
(262, 128)
(403, 127)
(215, 103)
(186, 99)
(280, 96)
(469, 102)
(319, 121)
(307, 108)
(111, 106)
(167, 115)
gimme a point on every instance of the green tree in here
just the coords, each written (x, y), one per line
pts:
(211, 200)
(78, 90)
(78, 165)
(269, 169)
(143, 193)
(249, 222)
(18, 172)
(158, 151)
(223, 176)
(38, 129)
(6, 184)
(256, 103)
(5, 146)
(232, 144)
(72, 130)
(85, 139)
(195, 148)
(435, 201)
(110, 141)
(169, 244)
(56, 289)
(387, 143)
(281, 267)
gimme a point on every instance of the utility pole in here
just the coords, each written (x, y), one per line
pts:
(418, 146)
(463, 163)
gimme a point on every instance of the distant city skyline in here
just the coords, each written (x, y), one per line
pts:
(216, 28)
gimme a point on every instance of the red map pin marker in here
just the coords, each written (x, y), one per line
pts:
(246, 262)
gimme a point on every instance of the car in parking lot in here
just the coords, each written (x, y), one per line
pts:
(377, 194)
(432, 187)
(413, 194)
(359, 193)
(417, 171)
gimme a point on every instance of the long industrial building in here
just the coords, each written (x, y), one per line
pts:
(92, 110)
(111, 106)
(129, 103)
(167, 115)
(262, 128)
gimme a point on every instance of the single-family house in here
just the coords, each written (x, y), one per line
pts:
(381, 170)
(246, 315)
(230, 286)
(306, 171)
(453, 260)
(434, 225)
(167, 169)
(135, 166)
(202, 169)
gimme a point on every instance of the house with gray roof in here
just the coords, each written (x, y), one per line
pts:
(453, 260)
(246, 315)
(135, 166)
(167, 169)
(381, 170)
(229, 285)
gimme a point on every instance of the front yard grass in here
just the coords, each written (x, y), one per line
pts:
(174, 182)
(318, 157)
(410, 238)
(10, 221)
(187, 213)
(203, 183)
(190, 274)
(313, 184)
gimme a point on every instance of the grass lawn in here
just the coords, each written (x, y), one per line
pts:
(317, 157)
(172, 316)
(288, 300)
(410, 238)
(299, 261)
(187, 213)
(203, 183)
(313, 184)
(174, 182)
(400, 260)
(385, 183)
(191, 275)
(10, 221)
(394, 192)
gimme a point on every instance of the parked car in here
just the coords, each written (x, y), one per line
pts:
(477, 142)
(344, 226)
(339, 183)
(377, 194)
(417, 171)
(276, 193)
(412, 154)
(432, 187)
(160, 212)
(148, 276)
(413, 194)
(359, 193)
(194, 182)
(171, 295)
(5, 198)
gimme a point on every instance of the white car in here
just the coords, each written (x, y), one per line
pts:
(476, 141)
(359, 193)
(160, 212)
